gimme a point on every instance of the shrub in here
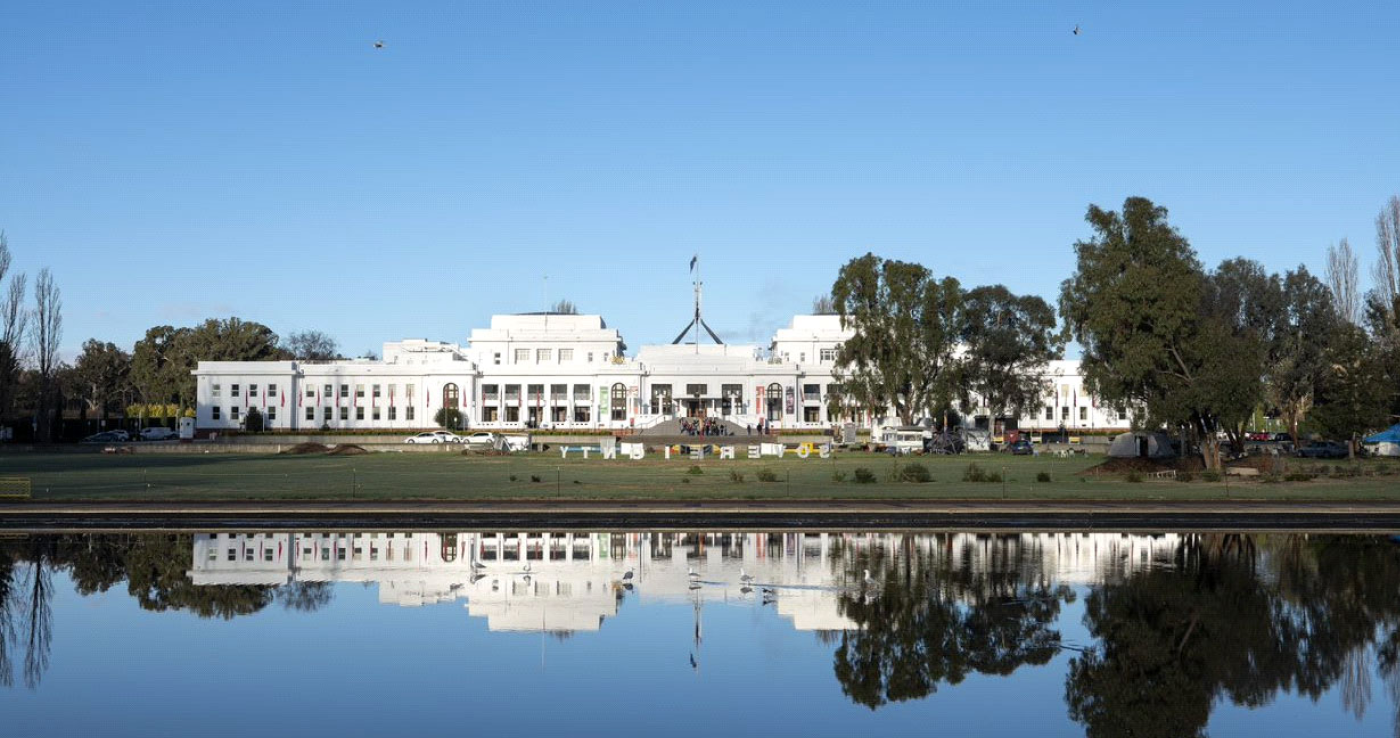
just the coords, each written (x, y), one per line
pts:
(512, 477)
(736, 476)
(767, 475)
(694, 470)
(1185, 476)
(535, 478)
(1211, 475)
(864, 476)
(449, 418)
(253, 421)
(1298, 477)
(1134, 477)
(1042, 476)
(914, 472)
(685, 480)
(838, 476)
(975, 473)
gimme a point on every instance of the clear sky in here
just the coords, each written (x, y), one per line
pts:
(177, 161)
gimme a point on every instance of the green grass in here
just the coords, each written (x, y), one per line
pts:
(389, 476)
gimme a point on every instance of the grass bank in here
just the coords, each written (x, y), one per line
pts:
(392, 477)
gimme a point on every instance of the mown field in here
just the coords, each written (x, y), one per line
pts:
(389, 476)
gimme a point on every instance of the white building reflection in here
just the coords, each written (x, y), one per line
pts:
(568, 582)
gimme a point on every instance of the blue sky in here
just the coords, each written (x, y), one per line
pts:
(176, 161)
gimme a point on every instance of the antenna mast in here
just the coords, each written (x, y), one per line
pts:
(696, 321)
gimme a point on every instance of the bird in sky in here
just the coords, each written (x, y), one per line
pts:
(1076, 29)
(380, 44)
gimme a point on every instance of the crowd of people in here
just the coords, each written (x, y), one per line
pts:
(704, 427)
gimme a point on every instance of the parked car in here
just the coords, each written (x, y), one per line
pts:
(1022, 447)
(1281, 438)
(480, 438)
(434, 437)
(112, 436)
(1323, 450)
(158, 433)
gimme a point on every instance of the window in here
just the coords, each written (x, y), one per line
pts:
(233, 413)
(375, 391)
(827, 355)
(393, 415)
(559, 391)
(252, 390)
(310, 391)
(811, 392)
(374, 413)
(1083, 413)
(581, 414)
(359, 391)
(408, 413)
(566, 356)
(345, 413)
(490, 414)
(696, 390)
(536, 391)
(496, 358)
(543, 356)
(590, 357)
(233, 390)
(619, 401)
(344, 390)
(408, 393)
(328, 393)
(359, 412)
(326, 414)
(1064, 412)
(267, 554)
(450, 396)
(522, 356)
(1049, 413)
(811, 414)
(271, 413)
(490, 392)
(272, 390)
(310, 413)
(512, 413)
(214, 412)
(581, 392)
(214, 391)
(802, 357)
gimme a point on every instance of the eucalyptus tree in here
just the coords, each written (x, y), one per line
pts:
(45, 336)
(905, 325)
(1138, 305)
(100, 375)
(311, 345)
(1007, 341)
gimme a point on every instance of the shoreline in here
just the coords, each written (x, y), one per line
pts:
(1126, 516)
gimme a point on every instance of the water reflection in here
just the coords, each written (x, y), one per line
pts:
(1176, 624)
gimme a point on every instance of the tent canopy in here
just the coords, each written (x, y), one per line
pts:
(1389, 435)
(1141, 444)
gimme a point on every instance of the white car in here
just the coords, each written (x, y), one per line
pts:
(158, 433)
(480, 438)
(434, 437)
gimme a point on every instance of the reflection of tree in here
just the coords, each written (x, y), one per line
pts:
(305, 596)
(1219, 624)
(924, 622)
(7, 613)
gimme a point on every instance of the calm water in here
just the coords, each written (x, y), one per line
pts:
(518, 634)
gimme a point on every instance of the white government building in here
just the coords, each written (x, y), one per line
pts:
(558, 371)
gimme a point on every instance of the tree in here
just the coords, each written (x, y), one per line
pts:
(1137, 304)
(1344, 282)
(1298, 359)
(449, 418)
(563, 307)
(1007, 341)
(904, 327)
(253, 421)
(1355, 390)
(45, 337)
(823, 305)
(311, 345)
(100, 374)
(1387, 267)
(14, 320)
(163, 360)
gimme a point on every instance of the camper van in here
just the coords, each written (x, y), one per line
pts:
(904, 439)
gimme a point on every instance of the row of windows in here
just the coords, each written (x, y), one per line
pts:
(216, 390)
(544, 356)
(327, 413)
(1109, 414)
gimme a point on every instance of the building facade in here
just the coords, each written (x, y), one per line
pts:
(572, 372)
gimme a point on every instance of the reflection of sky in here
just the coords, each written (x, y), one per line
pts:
(357, 667)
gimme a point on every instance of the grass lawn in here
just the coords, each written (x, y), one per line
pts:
(389, 476)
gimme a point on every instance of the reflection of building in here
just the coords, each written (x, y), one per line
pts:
(573, 581)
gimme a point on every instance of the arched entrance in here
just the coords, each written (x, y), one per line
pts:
(774, 399)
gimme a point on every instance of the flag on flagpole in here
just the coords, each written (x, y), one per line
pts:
(391, 395)
(693, 260)
(284, 399)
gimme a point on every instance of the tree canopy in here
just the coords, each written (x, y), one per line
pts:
(1007, 341)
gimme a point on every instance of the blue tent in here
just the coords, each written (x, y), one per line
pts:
(1386, 443)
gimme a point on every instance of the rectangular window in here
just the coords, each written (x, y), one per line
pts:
(360, 412)
(1049, 413)
(490, 392)
(214, 391)
(272, 390)
(233, 413)
(252, 390)
(1064, 412)
(345, 390)
(811, 414)
(543, 356)
(1083, 413)
(522, 356)
(393, 413)
(375, 391)
(566, 356)
(215, 411)
(359, 390)
(828, 355)
(696, 390)
(374, 414)
(345, 413)
(590, 357)
(512, 414)
(408, 413)
(811, 392)
(310, 391)
(233, 390)
(581, 392)
(496, 358)
(490, 414)
(326, 414)
(271, 413)
(559, 392)
(310, 413)
(328, 393)
(536, 392)
(581, 413)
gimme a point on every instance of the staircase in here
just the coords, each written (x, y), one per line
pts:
(672, 428)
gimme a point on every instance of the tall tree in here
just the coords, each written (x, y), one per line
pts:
(563, 307)
(45, 337)
(1007, 341)
(163, 360)
(311, 345)
(1137, 304)
(100, 375)
(1355, 389)
(904, 327)
(1344, 281)
(1387, 268)
(823, 305)
(14, 321)
(1298, 360)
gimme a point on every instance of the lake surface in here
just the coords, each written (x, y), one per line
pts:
(588, 633)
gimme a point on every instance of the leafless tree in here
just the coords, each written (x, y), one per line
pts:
(822, 305)
(1387, 268)
(564, 307)
(44, 339)
(13, 321)
(1343, 279)
(311, 345)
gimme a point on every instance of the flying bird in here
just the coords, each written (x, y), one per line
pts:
(380, 44)
(628, 576)
(693, 665)
(1076, 29)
